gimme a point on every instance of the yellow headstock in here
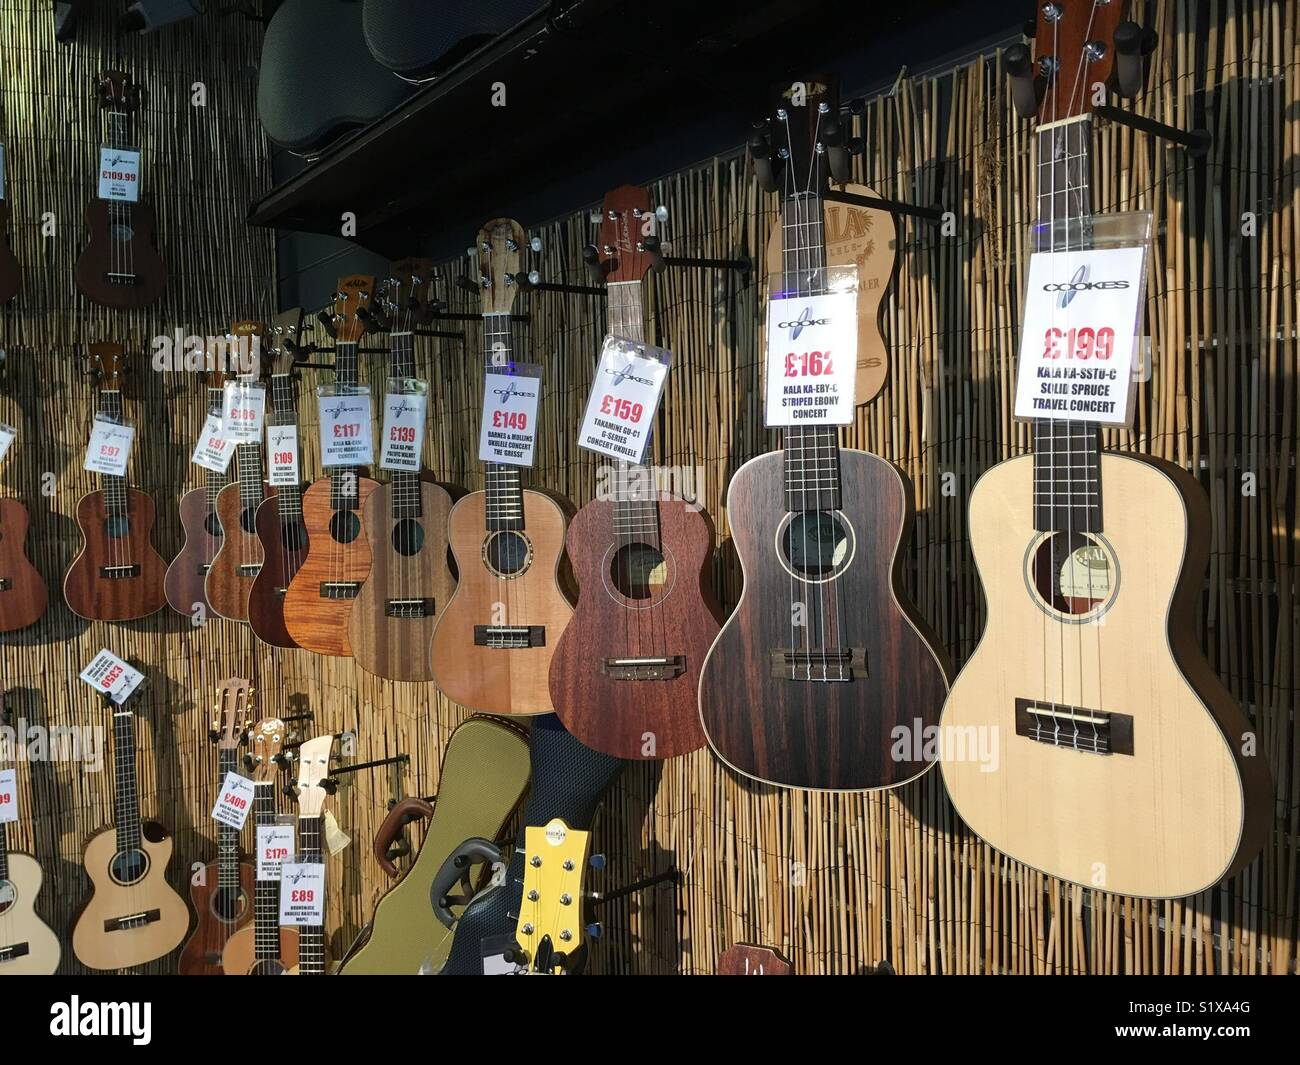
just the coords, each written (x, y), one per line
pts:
(500, 257)
(550, 928)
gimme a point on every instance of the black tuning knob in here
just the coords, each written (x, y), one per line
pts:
(1132, 45)
(765, 165)
(329, 785)
(1020, 72)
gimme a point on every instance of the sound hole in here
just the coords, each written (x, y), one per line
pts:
(345, 526)
(507, 553)
(129, 866)
(268, 967)
(213, 525)
(121, 232)
(815, 543)
(408, 536)
(228, 903)
(1073, 572)
(8, 896)
(248, 519)
(293, 536)
(117, 526)
(638, 570)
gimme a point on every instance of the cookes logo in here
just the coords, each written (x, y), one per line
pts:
(805, 319)
(514, 390)
(1080, 283)
(626, 374)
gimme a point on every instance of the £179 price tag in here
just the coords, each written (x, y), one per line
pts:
(274, 848)
(234, 800)
(8, 796)
(302, 893)
(345, 428)
(109, 448)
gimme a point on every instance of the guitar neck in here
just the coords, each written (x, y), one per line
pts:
(284, 401)
(404, 491)
(114, 486)
(249, 457)
(636, 504)
(343, 479)
(227, 837)
(311, 938)
(4, 851)
(503, 486)
(213, 481)
(126, 804)
(266, 894)
(120, 135)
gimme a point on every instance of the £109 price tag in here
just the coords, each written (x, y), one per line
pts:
(8, 796)
(234, 800)
(508, 433)
(119, 174)
(109, 448)
(302, 893)
(403, 436)
(812, 357)
(214, 449)
(345, 427)
(243, 404)
(624, 396)
(282, 455)
(274, 848)
(109, 674)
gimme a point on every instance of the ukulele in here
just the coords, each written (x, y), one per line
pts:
(628, 665)
(493, 644)
(313, 769)
(239, 558)
(120, 267)
(264, 948)
(322, 592)
(1119, 763)
(392, 621)
(133, 915)
(221, 891)
(280, 530)
(23, 594)
(825, 656)
(186, 581)
(117, 575)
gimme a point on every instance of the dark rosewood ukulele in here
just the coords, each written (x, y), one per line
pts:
(117, 575)
(120, 267)
(626, 672)
(825, 656)
(23, 594)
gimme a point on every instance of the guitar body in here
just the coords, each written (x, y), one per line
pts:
(1184, 809)
(400, 648)
(23, 594)
(314, 622)
(267, 594)
(34, 946)
(187, 574)
(111, 246)
(493, 679)
(98, 948)
(220, 913)
(97, 598)
(240, 956)
(678, 617)
(229, 583)
(815, 734)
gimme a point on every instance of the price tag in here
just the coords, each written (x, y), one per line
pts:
(7, 435)
(302, 893)
(812, 357)
(624, 397)
(214, 449)
(274, 847)
(509, 430)
(1078, 339)
(8, 796)
(243, 405)
(119, 174)
(282, 454)
(405, 405)
(109, 448)
(234, 800)
(345, 427)
(108, 673)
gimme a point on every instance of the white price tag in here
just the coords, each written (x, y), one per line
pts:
(1078, 338)
(234, 800)
(108, 673)
(7, 436)
(345, 427)
(119, 174)
(624, 396)
(509, 431)
(302, 893)
(8, 796)
(405, 405)
(282, 454)
(214, 449)
(243, 405)
(274, 847)
(812, 358)
(109, 448)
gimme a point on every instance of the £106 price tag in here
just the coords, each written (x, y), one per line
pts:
(345, 421)
(282, 454)
(302, 893)
(274, 847)
(234, 800)
(624, 396)
(403, 437)
(119, 174)
(214, 449)
(8, 796)
(108, 673)
(511, 394)
(243, 404)
(109, 448)
(812, 356)
(7, 435)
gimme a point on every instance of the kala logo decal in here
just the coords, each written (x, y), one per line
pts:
(797, 326)
(1080, 283)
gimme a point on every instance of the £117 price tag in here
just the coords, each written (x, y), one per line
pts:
(509, 431)
(8, 796)
(109, 674)
(119, 174)
(403, 436)
(109, 448)
(624, 397)
(7, 435)
(274, 847)
(345, 421)
(234, 800)
(282, 455)
(302, 893)
(812, 356)
(214, 449)
(242, 406)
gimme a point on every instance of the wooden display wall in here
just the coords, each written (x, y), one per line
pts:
(838, 883)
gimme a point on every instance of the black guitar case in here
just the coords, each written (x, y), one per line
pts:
(569, 781)
(318, 79)
(420, 38)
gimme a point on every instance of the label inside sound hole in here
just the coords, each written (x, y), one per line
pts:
(1085, 574)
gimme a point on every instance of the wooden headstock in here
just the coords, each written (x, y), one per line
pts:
(235, 713)
(625, 213)
(1074, 49)
(500, 257)
(803, 112)
(115, 90)
(284, 340)
(351, 310)
(265, 746)
(550, 930)
(107, 363)
(408, 293)
(313, 767)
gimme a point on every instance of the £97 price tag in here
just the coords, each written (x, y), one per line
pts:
(109, 448)
(812, 357)
(214, 449)
(302, 893)
(282, 455)
(109, 674)
(8, 796)
(624, 397)
(243, 405)
(403, 435)
(234, 800)
(274, 848)
(345, 434)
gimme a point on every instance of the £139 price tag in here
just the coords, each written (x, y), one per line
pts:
(7, 435)
(214, 449)
(119, 174)
(109, 448)
(302, 893)
(108, 673)
(812, 356)
(234, 800)
(509, 431)
(242, 406)
(274, 847)
(403, 436)
(624, 397)
(282, 454)
(8, 796)
(345, 434)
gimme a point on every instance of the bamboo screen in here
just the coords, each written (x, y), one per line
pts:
(838, 883)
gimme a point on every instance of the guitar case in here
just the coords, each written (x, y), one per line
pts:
(317, 78)
(484, 776)
(417, 39)
(569, 781)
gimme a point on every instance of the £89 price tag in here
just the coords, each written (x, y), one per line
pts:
(119, 174)
(624, 396)
(8, 796)
(345, 435)
(7, 435)
(214, 449)
(302, 893)
(234, 800)
(812, 359)
(243, 404)
(109, 674)
(274, 847)
(403, 436)
(282, 455)
(109, 448)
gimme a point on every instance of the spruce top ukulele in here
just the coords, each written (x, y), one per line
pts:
(323, 591)
(23, 595)
(493, 644)
(117, 575)
(313, 768)
(825, 657)
(626, 671)
(1119, 763)
(222, 891)
(120, 267)
(392, 621)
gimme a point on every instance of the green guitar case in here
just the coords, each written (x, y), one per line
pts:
(484, 775)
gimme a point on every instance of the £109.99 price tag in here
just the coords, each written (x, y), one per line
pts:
(624, 396)
(243, 404)
(234, 800)
(119, 174)
(274, 848)
(812, 356)
(403, 437)
(109, 674)
(282, 455)
(8, 796)
(302, 893)
(109, 448)
(345, 427)
(508, 433)
(214, 449)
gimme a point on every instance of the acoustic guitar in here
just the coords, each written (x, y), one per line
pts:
(118, 574)
(323, 591)
(23, 594)
(626, 671)
(120, 267)
(221, 891)
(825, 657)
(1119, 751)
(392, 621)
(133, 915)
(280, 531)
(493, 645)
(264, 948)
(309, 787)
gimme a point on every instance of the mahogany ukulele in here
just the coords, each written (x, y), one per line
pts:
(626, 671)
(1120, 762)
(322, 592)
(221, 891)
(120, 267)
(493, 644)
(23, 594)
(825, 657)
(117, 575)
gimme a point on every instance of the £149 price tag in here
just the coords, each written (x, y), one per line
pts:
(345, 434)
(624, 397)
(243, 404)
(109, 448)
(302, 893)
(812, 356)
(508, 433)
(403, 436)
(274, 848)
(119, 174)
(234, 800)
(282, 454)
(108, 673)
(8, 796)
(214, 449)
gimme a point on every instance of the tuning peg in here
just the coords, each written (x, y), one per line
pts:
(329, 785)
(597, 862)
(1024, 86)
(535, 243)
(594, 930)
(661, 213)
(765, 167)
(214, 733)
(1132, 45)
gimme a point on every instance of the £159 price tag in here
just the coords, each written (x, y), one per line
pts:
(119, 174)
(282, 454)
(274, 847)
(8, 796)
(345, 427)
(302, 893)
(509, 431)
(403, 436)
(624, 397)
(109, 448)
(234, 800)
(108, 673)
(812, 356)
(214, 449)
(242, 406)
(7, 435)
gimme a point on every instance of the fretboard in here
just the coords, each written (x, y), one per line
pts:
(404, 487)
(284, 403)
(120, 136)
(266, 895)
(126, 803)
(227, 837)
(115, 496)
(4, 851)
(343, 479)
(502, 484)
(311, 938)
(213, 481)
(636, 506)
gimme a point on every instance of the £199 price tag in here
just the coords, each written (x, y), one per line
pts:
(7, 435)
(8, 796)
(282, 455)
(214, 449)
(624, 397)
(510, 397)
(109, 674)
(812, 357)
(302, 893)
(403, 436)
(243, 404)
(234, 800)
(274, 847)
(119, 174)
(345, 427)
(109, 448)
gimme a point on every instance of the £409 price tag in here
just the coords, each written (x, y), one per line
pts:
(509, 431)
(345, 434)
(812, 356)
(274, 847)
(8, 796)
(302, 893)
(234, 800)
(108, 673)
(403, 436)
(624, 397)
(109, 448)
(242, 406)
(282, 454)
(214, 449)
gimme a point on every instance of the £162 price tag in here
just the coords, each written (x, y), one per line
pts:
(7, 436)
(108, 673)
(624, 397)
(119, 174)
(282, 454)
(345, 433)
(274, 847)
(8, 796)
(242, 406)
(509, 431)
(234, 800)
(812, 356)
(109, 448)
(403, 436)
(214, 449)
(302, 893)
